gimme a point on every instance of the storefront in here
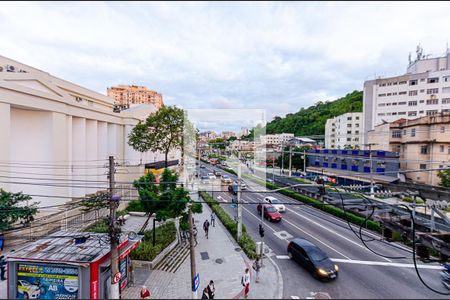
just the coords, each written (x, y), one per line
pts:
(67, 265)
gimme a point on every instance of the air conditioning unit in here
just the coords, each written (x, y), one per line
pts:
(10, 68)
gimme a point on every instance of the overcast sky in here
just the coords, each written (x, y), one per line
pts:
(275, 56)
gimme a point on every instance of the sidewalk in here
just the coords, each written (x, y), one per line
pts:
(218, 258)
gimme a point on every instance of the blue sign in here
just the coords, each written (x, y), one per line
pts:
(196, 283)
(47, 282)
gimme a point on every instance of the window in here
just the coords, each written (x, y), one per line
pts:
(445, 100)
(446, 111)
(349, 139)
(381, 114)
(447, 78)
(402, 103)
(394, 103)
(349, 125)
(402, 93)
(356, 132)
(433, 80)
(421, 112)
(413, 132)
(432, 101)
(422, 91)
(421, 101)
(402, 113)
(388, 104)
(394, 83)
(413, 82)
(424, 149)
(448, 150)
(423, 166)
(432, 112)
(423, 79)
(446, 90)
(349, 118)
(357, 118)
(412, 113)
(397, 134)
(442, 129)
(394, 113)
(412, 93)
(381, 104)
(388, 94)
(381, 95)
(357, 124)
(349, 132)
(412, 103)
(356, 139)
(441, 148)
(432, 91)
(404, 131)
(402, 82)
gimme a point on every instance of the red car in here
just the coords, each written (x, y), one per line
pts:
(270, 213)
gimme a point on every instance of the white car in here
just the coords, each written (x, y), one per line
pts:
(205, 179)
(28, 290)
(211, 176)
(275, 203)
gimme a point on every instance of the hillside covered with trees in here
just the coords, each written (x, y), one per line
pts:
(311, 120)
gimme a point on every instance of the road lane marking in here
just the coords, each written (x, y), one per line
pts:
(334, 232)
(284, 220)
(295, 297)
(282, 257)
(386, 264)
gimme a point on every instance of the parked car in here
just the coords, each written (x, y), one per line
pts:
(275, 203)
(211, 176)
(312, 258)
(226, 179)
(270, 212)
(205, 179)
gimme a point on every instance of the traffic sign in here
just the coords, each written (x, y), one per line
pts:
(196, 283)
(117, 277)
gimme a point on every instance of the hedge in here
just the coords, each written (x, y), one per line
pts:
(372, 225)
(135, 205)
(101, 226)
(246, 242)
(165, 235)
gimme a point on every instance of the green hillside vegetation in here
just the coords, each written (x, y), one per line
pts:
(311, 120)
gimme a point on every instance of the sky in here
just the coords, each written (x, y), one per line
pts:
(277, 56)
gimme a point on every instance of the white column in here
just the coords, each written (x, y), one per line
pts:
(102, 149)
(78, 152)
(5, 136)
(91, 155)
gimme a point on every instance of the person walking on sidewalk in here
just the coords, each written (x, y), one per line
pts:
(211, 289)
(257, 268)
(194, 231)
(213, 219)
(206, 228)
(145, 294)
(205, 293)
(245, 280)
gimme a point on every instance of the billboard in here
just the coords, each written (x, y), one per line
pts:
(47, 282)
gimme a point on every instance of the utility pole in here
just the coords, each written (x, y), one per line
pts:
(273, 167)
(192, 252)
(262, 234)
(239, 206)
(290, 161)
(304, 160)
(282, 158)
(114, 239)
(371, 174)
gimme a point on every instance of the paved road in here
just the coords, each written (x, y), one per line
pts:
(363, 274)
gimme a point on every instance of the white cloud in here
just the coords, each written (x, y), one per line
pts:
(278, 56)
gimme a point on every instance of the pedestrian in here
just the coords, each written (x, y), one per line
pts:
(206, 228)
(145, 294)
(205, 293)
(245, 281)
(213, 219)
(194, 231)
(2, 267)
(257, 268)
(211, 289)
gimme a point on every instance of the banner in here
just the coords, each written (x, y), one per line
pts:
(47, 282)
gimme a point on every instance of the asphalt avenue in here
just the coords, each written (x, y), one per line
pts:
(362, 274)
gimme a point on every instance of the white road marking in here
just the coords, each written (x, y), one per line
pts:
(284, 220)
(282, 257)
(334, 232)
(386, 264)
(295, 297)
(283, 235)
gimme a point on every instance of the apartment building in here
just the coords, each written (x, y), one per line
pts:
(422, 143)
(129, 95)
(424, 90)
(344, 131)
(227, 134)
(276, 139)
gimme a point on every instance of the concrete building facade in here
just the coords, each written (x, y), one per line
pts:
(344, 131)
(423, 144)
(129, 95)
(56, 136)
(424, 90)
(276, 139)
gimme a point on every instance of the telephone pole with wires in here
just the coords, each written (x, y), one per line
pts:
(114, 232)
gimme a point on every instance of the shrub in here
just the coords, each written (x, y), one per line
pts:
(101, 226)
(246, 242)
(165, 235)
(135, 205)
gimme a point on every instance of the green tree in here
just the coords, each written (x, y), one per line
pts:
(13, 210)
(95, 202)
(161, 131)
(444, 175)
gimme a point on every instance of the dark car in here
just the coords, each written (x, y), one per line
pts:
(312, 258)
(233, 188)
(270, 213)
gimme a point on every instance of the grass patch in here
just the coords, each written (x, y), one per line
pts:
(246, 242)
(372, 225)
(165, 235)
(410, 200)
(101, 226)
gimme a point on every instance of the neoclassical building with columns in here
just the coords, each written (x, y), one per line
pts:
(56, 136)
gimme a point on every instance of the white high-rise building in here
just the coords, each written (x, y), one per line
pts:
(423, 90)
(344, 131)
